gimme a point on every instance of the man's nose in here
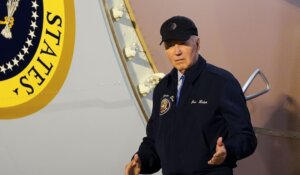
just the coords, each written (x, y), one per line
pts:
(177, 49)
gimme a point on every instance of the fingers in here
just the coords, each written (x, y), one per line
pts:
(135, 160)
(127, 169)
(131, 170)
(220, 154)
(218, 158)
(137, 169)
(133, 167)
(220, 141)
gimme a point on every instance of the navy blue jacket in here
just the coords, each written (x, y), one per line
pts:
(181, 139)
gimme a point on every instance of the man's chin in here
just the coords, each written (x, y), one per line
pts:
(180, 67)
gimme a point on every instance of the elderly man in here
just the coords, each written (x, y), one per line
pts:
(200, 123)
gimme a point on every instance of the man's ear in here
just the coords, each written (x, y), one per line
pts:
(198, 43)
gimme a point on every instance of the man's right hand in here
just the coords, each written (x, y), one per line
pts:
(134, 167)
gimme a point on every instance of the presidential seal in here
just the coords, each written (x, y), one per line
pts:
(165, 106)
(35, 53)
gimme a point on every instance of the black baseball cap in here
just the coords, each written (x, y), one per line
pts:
(177, 28)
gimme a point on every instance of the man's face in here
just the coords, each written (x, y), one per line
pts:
(182, 55)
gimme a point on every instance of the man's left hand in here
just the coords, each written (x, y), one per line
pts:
(220, 154)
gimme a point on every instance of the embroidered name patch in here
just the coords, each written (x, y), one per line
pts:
(199, 102)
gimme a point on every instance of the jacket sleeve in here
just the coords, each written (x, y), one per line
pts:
(241, 141)
(150, 162)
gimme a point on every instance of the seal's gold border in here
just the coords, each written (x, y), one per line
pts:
(57, 79)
